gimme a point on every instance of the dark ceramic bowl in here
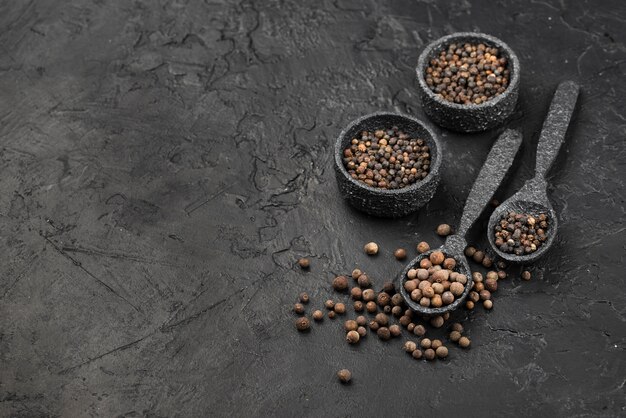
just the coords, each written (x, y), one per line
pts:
(472, 117)
(387, 203)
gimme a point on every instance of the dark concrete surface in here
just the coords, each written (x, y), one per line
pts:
(164, 163)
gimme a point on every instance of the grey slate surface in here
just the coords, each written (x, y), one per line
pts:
(163, 164)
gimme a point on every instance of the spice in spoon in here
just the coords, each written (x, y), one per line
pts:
(520, 233)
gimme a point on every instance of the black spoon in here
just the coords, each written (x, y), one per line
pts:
(491, 175)
(532, 198)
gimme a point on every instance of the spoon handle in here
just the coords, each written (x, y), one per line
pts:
(555, 126)
(491, 175)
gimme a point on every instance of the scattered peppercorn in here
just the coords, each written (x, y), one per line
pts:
(353, 337)
(502, 275)
(387, 309)
(304, 263)
(383, 333)
(396, 311)
(358, 306)
(329, 304)
(318, 315)
(363, 280)
(457, 326)
(298, 308)
(362, 331)
(419, 330)
(417, 354)
(488, 304)
(374, 325)
(368, 295)
(400, 254)
(340, 308)
(371, 248)
(382, 319)
(526, 275)
(395, 330)
(487, 261)
(361, 320)
(444, 230)
(304, 298)
(389, 287)
(520, 233)
(435, 344)
(422, 247)
(464, 342)
(331, 315)
(302, 323)
(383, 299)
(442, 351)
(387, 159)
(350, 325)
(426, 343)
(455, 336)
(478, 256)
(429, 354)
(469, 251)
(409, 346)
(356, 293)
(371, 307)
(344, 375)
(356, 273)
(340, 283)
(468, 73)
(437, 321)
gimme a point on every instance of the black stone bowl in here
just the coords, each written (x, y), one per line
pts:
(472, 117)
(387, 203)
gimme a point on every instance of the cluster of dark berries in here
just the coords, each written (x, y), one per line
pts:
(468, 73)
(387, 159)
(435, 283)
(520, 234)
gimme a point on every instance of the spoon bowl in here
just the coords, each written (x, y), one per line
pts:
(532, 198)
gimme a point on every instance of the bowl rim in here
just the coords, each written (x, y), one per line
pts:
(422, 62)
(435, 166)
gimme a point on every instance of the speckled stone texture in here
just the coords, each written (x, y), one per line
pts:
(164, 164)
(493, 171)
(532, 198)
(471, 117)
(380, 202)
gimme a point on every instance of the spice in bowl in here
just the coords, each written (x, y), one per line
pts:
(519, 233)
(436, 285)
(468, 73)
(387, 159)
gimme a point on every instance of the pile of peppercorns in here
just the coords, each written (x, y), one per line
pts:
(387, 159)
(468, 73)
(519, 233)
(387, 308)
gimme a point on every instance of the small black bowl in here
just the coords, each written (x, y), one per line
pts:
(387, 203)
(471, 117)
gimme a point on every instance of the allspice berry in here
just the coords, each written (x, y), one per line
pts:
(331, 315)
(340, 308)
(304, 298)
(435, 344)
(358, 306)
(298, 308)
(426, 343)
(455, 336)
(436, 257)
(488, 304)
(361, 320)
(356, 293)
(318, 315)
(464, 342)
(371, 307)
(395, 330)
(344, 375)
(368, 295)
(444, 230)
(478, 256)
(374, 326)
(387, 309)
(340, 283)
(383, 333)
(429, 354)
(371, 248)
(409, 346)
(400, 254)
(457, 326)
(302, 323)
(405, 320)
(362, 331)
(383, 299)
(389, 287)
(382, 319)
(491, 285)
(356, 273)
(526, 275)
(304, 263)
(422, 247)
(350, 325)
(396, 311)
(469, 251)
(329, 304)
(419, 330)
(442, 351)
(437, 321)
(353, 337)
(469, 305)
(363, 280)
(417, 354)
(397, 300)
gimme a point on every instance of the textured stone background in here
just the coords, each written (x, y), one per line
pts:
(164, 163)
